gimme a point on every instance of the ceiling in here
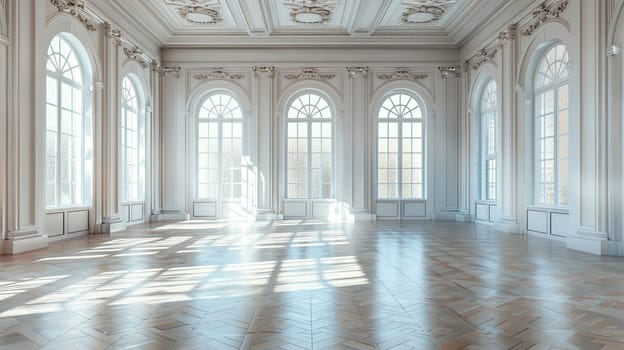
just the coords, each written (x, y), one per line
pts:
(306, 23)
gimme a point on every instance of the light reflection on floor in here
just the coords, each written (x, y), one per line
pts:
(295, 284)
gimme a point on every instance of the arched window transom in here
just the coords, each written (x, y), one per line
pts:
(309, 148)
(400, 148)
(551, 128)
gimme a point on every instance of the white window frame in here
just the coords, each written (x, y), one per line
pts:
(488, 115)
(553, 87)
(309, 121)
(139, 110)
(219, 121)
(400, 121)
(87, 122)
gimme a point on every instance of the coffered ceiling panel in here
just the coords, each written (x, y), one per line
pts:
(241, 23)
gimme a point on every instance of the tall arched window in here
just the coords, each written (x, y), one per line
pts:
(132, 139)
(309, 148)
(551, 128)
(68, 124)
(219, 148)
(488, 113)
(400, 148)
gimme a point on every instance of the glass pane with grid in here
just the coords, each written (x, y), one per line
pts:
(219, 148)
(400, 149)
(489, 112)
(551, 128)
(130, 143)
(65, 129)
(309, 148)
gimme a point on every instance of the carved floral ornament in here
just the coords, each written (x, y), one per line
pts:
(424, 11)
(403, 74)
(219, 74)
(130, 50)
(198, 11)
(258, 70)
(358, 72)
(310, 73)
(548, 10)
(311, 11)
(76, 8)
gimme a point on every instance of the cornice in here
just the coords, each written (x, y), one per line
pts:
(131, 50)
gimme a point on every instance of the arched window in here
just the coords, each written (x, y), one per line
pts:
(309, 148)
(132, 139)
(68, 125)
(488, 113)
(219, 148)
(400, 148)
(551, 128)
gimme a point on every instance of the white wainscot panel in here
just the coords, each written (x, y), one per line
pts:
(537, 221)
(414, 209)
(125, 212)
(295, 209)
(322, 209)
(77, 221)
(482, 212)
(54, 224)
(137, 212)
(205, 209)
(494, 213)
(388, 209)
(559, 224)
(233, 210)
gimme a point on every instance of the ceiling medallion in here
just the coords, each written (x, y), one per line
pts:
(424, 11)
(198, 11)
(421, 14)
(311, 11)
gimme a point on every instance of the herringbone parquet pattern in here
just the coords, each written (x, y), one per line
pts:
(306, 285)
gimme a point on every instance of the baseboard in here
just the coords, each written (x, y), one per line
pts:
(168, 215)
(112, 226)
(595, 243)
(24, 242)
(508, 225)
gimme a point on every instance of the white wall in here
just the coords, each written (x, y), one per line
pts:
(591, 223)
(353, 97)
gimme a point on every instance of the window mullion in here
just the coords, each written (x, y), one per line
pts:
(400, 156)
(220, 158)
(58, 141)
(309, 151)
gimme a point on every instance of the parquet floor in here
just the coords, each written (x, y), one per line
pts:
(305, 285)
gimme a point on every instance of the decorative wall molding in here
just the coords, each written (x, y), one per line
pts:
(548, 10)
(358, 72)
(447, 70)
(507, 35)
(219, 74)
(198, 11)
(130, 50)
(162, 71)
(310, 73)
(424, 11)
(483, 57)
(77, 9)
(269, 70)
(403, 74)
(311, 11)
